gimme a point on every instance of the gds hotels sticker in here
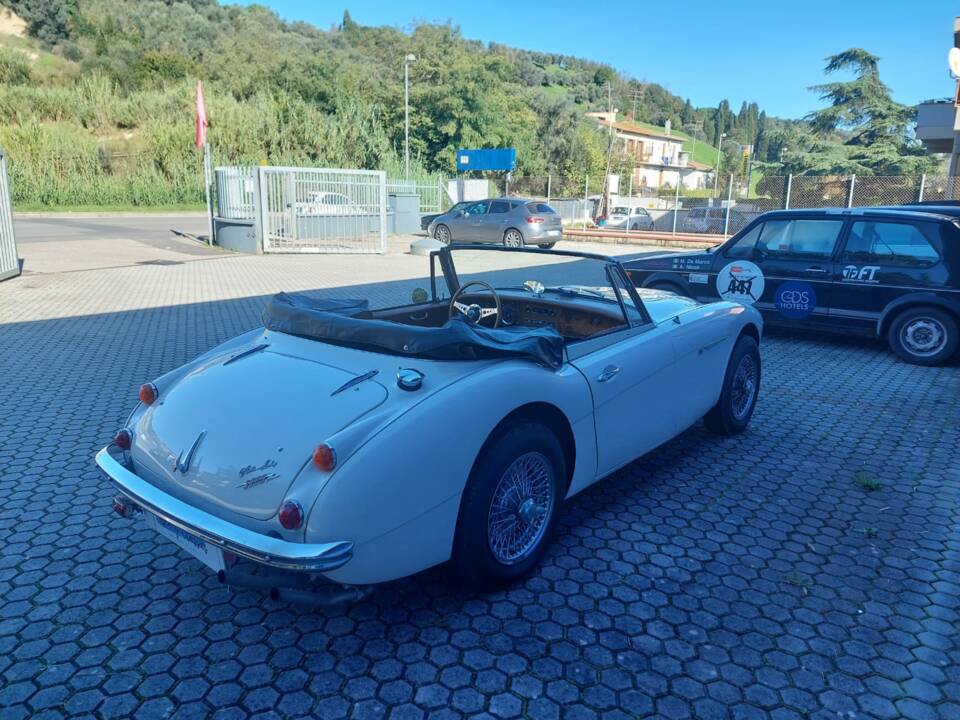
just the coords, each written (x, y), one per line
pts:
(795, 300)
(741, 281)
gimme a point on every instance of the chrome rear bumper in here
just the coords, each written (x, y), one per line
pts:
(273, 552)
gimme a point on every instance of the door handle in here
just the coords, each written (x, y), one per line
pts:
(609, 373)
(816, 270)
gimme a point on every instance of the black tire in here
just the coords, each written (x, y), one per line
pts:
(513, 238)
(669, 287)
(546, 246)
(924, 335)
(473, 560)
(728, 417)
(442, 233)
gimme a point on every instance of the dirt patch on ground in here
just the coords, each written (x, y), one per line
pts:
(11, 23)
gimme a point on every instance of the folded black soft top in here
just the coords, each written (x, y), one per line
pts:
(336, 322)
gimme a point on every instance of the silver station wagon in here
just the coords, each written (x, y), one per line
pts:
(515, 222)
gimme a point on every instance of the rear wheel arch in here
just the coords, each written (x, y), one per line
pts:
(551, 417)
(913, 302)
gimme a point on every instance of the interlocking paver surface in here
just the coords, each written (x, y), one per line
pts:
(758, 576)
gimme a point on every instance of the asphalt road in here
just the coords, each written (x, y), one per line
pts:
(152, 229)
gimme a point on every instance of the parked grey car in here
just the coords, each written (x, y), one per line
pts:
(515, 222)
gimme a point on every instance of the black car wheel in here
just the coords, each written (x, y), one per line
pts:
(442, 233)
(546, 246)
(741, 386)
(510, 506)
(669, 287)
(924, 335)
(513, 238)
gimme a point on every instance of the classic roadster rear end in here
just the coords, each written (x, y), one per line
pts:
(342, 446)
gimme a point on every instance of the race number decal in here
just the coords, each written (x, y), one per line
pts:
(740, 281)
(795, 300)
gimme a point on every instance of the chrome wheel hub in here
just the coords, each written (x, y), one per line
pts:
(520, 509)
(744, 388)
(923, 336)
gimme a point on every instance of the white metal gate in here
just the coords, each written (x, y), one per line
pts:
(9, 262)
(321, 210)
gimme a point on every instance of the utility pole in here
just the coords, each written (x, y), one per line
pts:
(716, 170)
(406, 114)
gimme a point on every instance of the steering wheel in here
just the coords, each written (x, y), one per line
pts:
(474, 313)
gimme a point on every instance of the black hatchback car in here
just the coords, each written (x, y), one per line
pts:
(886, 271)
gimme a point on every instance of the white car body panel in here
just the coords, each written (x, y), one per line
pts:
(404, 458)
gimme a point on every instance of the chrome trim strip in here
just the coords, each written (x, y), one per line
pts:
(274, 552)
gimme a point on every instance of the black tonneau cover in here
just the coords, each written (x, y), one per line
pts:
(336, 322)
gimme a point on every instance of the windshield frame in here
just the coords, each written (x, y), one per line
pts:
(614, 270)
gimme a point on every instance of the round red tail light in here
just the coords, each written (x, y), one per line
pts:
(123, 439)
(324, 457)
(291, 515)
(149, 394)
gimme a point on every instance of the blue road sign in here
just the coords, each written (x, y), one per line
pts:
(489, 159)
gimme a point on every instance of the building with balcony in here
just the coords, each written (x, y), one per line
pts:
(658, 157)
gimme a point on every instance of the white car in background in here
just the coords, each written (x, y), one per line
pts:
(629, 218)
(328, 203)
(343, 445)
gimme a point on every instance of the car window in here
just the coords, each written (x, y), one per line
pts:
(544, 208)
(621, 210)
(499, 207)
(890, 243)
(477, 208)
(697, 213)
(742, 248)
(639, 211)
(800, 239)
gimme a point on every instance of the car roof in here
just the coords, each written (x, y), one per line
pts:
(901, 212)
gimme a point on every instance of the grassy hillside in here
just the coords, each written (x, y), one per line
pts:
(96, 104)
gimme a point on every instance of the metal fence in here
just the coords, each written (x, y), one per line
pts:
(725, 205)
(323, 210)
(236, 192)
(9, 260)
(431, 193)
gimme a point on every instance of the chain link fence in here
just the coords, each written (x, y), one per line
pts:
(702, 203)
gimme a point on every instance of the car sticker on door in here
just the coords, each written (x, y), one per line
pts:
(795, 299)
(867, 273)
(740, 281)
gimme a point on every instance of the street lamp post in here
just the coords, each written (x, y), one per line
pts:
(716, 170)
(406, 114)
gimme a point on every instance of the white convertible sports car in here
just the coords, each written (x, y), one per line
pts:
(345, 444)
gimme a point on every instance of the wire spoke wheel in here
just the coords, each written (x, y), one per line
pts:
(442, 234)
(923, 336)
(521, 508)
(744, 387)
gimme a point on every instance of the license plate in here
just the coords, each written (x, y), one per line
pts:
(553, 232)
(206, 553)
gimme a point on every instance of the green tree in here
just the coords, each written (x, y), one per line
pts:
(875, 128)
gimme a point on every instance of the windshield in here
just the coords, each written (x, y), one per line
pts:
(545, 274)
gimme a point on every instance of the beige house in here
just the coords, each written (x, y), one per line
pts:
(659, 158)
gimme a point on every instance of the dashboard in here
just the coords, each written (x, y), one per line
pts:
(574, 318)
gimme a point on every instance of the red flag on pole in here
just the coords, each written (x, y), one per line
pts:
(201, 117)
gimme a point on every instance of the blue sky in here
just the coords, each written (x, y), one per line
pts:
(764, 50)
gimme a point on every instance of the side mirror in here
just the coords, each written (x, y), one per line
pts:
(419, 296)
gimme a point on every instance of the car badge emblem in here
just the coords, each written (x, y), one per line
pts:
(182, 464)
(257, 480)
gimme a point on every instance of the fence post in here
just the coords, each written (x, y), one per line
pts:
(549, 188)
(786, 202)
(853, 180)
(676, 201)
(586, 191)
(923, 182)
(726, 217)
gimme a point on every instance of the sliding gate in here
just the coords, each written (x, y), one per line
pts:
(317, 210)
(9, 262)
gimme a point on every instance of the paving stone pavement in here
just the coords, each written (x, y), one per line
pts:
(808, 568)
